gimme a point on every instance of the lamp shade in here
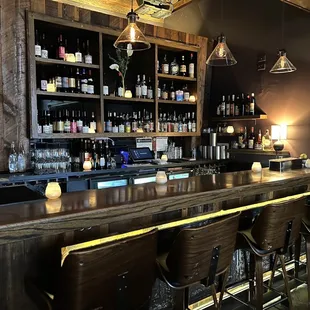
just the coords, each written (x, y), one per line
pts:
(275, 132)
(283, 65)
(132, 38)
(221, 55)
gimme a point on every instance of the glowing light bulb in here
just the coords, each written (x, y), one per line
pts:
(132, 34)
(221, 51)
(282, 62)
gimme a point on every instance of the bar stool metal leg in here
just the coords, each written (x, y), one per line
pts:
(259, 298)
(297, 256)
(285, 278)
(252, 278)
(273, 271)
(307, 237)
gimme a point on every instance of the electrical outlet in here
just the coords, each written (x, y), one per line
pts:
(261, 62)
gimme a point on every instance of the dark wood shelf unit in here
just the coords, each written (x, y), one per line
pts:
(176, 102)
(50, 61)
(257, 152)
(67, 95)
(112, 98)
(239, 118)
(176, 77)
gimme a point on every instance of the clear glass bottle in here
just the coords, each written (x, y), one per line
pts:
(13, 159)
(21, 159)
(174, 67)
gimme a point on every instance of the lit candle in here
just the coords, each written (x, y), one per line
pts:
(161, 177)
(192, 99)
(256, 167)
(53, 190)
(128, 94)
(87, 165)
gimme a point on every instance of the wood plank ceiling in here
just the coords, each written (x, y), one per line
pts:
(119, 8)
(302, 4)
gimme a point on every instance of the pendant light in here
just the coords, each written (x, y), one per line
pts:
(221, 56)
(132, 38)
(283, 65)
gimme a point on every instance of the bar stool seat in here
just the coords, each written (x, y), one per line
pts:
(114, 276)
(273, 232)
(198, 255)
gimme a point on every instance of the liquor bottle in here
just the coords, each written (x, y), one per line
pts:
(266, 141)
(86, 151)
(78, 81)
(21, 159)
(67, 124)
(191, 67)
(150, 90)
(143, 87)
(252, 105)
(121, 125)
(65, 80)
(160, 118)
(134, 123)
(90, 84)
(106, 91)
(258, 144)
(237, 106)
(251, 140)
(138, 87)
(127, 124)
(72, 82)
(45, 125)
(78, 53)
(61, 49)
(165, 65)
(107, 157)
(223, 106)
(183, 69)
(13, 159)
(85, 123)
(174, 67)
(227, 111)
(73, 124)
(54, 117)
(84, 82)
(232, 106)
(240, 137)
(189, 122)
(172, 92)
(158, 91)
(242, 106)
(164, 93)
(247, 105)
(194, 125)
(151, 122)
(93, 123)
(37, 46)
(60, 123)
(245, 138)
(186, 93)
(43, 82)
(146, 122)
(88, 57)
(44, 50)
(79, 122)
(94, 156)
(102, 155)
(119, 88)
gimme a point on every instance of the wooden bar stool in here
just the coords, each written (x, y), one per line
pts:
(198, 255)
(273, 232)
(117, 275)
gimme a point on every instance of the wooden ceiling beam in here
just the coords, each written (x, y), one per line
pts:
(301, 4)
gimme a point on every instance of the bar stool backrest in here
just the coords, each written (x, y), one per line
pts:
(200, 253)
(278, 225)
(117, 275)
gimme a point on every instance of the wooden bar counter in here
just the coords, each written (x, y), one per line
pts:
(32, 233)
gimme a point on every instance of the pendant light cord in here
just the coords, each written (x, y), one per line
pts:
(282, 26)
(131, 5)
(222, 11)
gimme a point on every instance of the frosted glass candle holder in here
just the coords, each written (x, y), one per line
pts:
(53, 190)
(161, 177)
(257, 167)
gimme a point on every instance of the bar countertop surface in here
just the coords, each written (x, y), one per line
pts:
(96, 207)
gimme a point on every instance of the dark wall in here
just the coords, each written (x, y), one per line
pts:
(253, 27)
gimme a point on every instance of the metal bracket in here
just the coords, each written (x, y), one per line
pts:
(122, 295)
(287, 236)
(213, 264)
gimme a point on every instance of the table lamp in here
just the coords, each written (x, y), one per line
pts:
(278, 133)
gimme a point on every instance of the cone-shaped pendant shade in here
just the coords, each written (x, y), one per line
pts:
(283, 65)
(221, 55)
(132, 37)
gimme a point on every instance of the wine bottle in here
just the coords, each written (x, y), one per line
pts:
(61, 49)
(183, 68)
(60, 123)
(106, 91)
(78, 53)
(138, 88)
(67, 124)
(172, 92)
(84, 82)
(65, 80)
(43, 82)
(164, 93)
(174, 67)
(228, 106)
(90, 84)
(37, 46)
(73, 123)
(102, 155)
(88, 56)
(194, 125)
(191, 67)
(143, 87)
(165, 65)
(44, 50)
(150, 89)
(72, 82)
(79, 122)
(58, 79)
(252, 105)
(93, 123)
(251, 140)
(78, 81)
(186, 93)
(232, 106)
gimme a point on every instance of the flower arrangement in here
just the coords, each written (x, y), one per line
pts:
(121, 64)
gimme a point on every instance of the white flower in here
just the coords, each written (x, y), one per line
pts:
(114, 67)
(129, 50)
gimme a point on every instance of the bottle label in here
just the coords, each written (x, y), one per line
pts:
(37, 50)
(194, 127)
(186, 96)
(105, 90)
(73, 128)
(93, 125)
(58, 82)
(138, 91)
(183, 69)
(120, 91)
(79, 125)
(237, 112)
(165, 68)
(150, 93)
(151, 126)
(72, 82)
(189, 126)
(46, 129)
(44, 53)
(62, 52)
(109, 126)
(39, 129)
(179, 95)
(88, 59)
(84, 88)
(191, 70)
(165, 95)
(67, 126)
(102, 162)
(65, 82)
(121, 128)
(60, 126)
(44, 85)
(144, 90)
(252, 107)
(78, 57)
(174, 70)
(115, 129)
(85, 129)
(90, 89)
(251, 144)
(128, 127)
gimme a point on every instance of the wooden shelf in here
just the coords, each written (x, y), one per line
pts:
(67, 95)
(176, 102)
(110, 98)
(239, 118)
(50, 61)
(176, 77)
(257, 152)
